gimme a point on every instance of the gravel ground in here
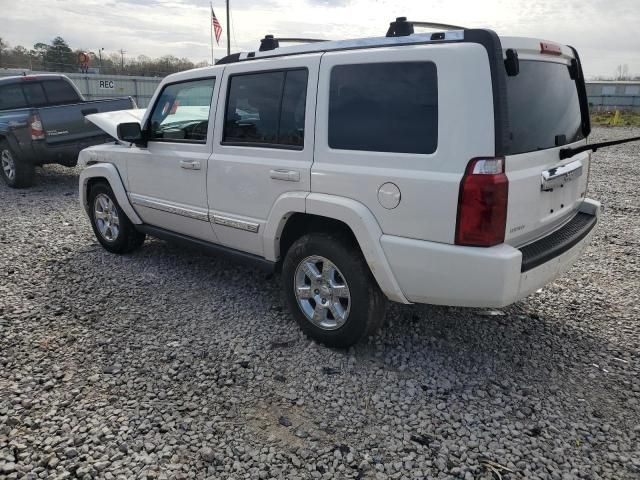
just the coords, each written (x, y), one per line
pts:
(171, 364)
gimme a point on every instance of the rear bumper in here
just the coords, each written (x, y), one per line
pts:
(444, 274)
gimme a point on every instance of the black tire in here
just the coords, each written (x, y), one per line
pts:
(23, 172)
(126, 239)
(366, 305)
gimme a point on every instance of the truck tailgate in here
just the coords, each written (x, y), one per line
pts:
(67, 123)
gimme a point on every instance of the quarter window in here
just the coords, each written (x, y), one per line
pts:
(384, 107)
(267, 109)
(181, 113)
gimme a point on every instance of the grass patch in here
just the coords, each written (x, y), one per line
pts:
(627, 119)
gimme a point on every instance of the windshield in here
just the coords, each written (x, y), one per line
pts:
(544, 107)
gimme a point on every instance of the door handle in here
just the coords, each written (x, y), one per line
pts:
(89, 111)
(286, 175)
(190, 165)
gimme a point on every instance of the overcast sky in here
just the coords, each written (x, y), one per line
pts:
(605, 32)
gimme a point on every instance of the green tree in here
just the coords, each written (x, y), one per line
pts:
(60, 56)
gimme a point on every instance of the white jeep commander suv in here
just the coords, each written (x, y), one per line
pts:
(444, 168)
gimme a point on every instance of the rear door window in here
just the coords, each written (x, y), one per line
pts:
(60, 92)
(267, 109)
(384, 107)
(11, 96)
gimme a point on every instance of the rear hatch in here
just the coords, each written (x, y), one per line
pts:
(544, 108)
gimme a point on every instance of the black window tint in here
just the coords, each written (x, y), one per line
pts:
(182, 112)
(60, 92)
(544, 107)
(34, 94)
(11, 96)
(384, 107)
(267, 108)
(294, 103)
(253, 107)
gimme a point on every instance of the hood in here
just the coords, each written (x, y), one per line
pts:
(109, 121)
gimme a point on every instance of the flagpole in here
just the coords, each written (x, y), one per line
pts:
(211, 29)
(228, 31)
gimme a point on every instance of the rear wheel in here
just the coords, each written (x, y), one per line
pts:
(16, 172)
(111, 226)
(330, 290)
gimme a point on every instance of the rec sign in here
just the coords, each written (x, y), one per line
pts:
(106, 84)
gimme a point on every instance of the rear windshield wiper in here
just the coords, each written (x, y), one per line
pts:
(570, 152)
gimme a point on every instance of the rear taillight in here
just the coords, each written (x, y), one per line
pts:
(482, 203)
(35, 127)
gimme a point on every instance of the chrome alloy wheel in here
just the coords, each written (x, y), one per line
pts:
(8, 164)
(322, 292)
(106, 217)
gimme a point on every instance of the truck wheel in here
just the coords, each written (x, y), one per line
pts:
(111, 226)
(16, 173)
(331, 291)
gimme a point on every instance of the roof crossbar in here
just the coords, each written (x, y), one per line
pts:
(269, 42)
(402, 27)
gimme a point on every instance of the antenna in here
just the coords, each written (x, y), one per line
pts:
(269, 42)
(403, 27)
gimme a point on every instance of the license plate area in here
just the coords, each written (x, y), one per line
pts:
(557, 177)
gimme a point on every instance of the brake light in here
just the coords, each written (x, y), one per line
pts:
(35, 127)
(550, 48)
(482, 203)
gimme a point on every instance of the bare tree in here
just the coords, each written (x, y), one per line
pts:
(622, 72)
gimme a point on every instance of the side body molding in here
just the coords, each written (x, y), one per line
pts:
(109, 172)
(367, 231)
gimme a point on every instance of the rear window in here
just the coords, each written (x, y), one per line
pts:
(34, 94)
(11, 96)
(384, 107)
(60, 92)
(544, 107)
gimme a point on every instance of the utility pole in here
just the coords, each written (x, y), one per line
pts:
(122, 52)
(228, 31)
(100, 55)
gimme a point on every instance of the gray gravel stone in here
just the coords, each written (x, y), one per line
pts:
(168, 363)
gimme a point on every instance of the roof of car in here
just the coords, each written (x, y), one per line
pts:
(22, 78)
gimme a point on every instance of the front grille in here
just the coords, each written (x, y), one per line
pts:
(558, 242)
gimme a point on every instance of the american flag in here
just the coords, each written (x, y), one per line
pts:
(217, 28)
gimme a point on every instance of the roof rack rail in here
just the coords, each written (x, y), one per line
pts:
(402, 27)
(269, 42)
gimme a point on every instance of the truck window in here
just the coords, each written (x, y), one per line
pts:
(59, 92)
(544, 107)
(181, 112)
(34, 93)
(11, 96)
(384, 107)
(267, 109)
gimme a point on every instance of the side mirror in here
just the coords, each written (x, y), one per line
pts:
(130, 132)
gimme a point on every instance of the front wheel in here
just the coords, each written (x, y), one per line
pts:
(111, 226)
(331, 291)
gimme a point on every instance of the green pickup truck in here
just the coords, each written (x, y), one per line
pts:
(42, 121)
